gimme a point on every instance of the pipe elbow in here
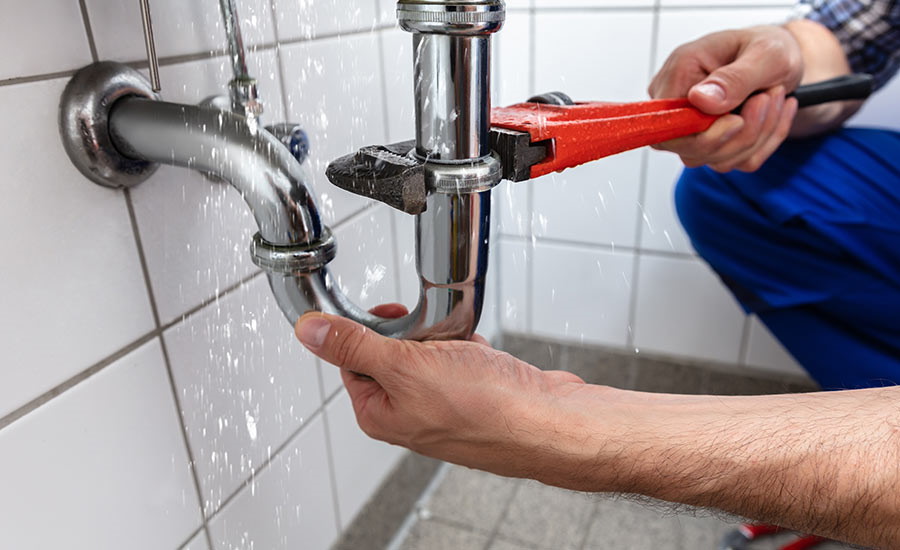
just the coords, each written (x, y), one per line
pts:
(231, 147)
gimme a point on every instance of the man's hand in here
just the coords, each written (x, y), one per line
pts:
(818, 463)
(458, 401)
(719, 72)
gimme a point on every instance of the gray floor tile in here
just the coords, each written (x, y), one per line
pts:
(702, 532)
(547, 517)
(376, 525)
(659, 376)
(544, 355)
(435, 535)
(472, 498)
(503, 544)
(598, 367)
(728, 383)
(622, 524)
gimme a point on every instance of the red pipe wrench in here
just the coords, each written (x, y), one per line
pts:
(551, 133)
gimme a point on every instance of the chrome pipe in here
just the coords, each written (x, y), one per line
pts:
(242, 88)
(235, 39)
(451, 252)
(225, 145)
(453, 104)
(451, 236)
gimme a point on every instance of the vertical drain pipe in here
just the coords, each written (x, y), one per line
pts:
(452, 69)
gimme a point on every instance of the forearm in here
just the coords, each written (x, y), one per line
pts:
(823, 58)
(821, 463)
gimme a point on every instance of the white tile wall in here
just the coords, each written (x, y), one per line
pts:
(243, 384)
(591, 204)
(581, 294)
(360, 463)
(683, 309)
(288, 505)
(764, 351)
(179, 28)
(68, 48)
(334, 89)
(102, 466)
(70, 269)
(580, 53)
(312, 18)
(197, 543)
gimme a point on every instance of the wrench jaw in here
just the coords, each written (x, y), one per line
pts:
(387, 173)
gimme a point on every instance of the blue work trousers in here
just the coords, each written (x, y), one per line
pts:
(811, 244)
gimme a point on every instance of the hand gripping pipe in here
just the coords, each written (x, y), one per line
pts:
(115, 131)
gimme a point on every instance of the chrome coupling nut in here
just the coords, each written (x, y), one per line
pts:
(306, 258)
(466, 18)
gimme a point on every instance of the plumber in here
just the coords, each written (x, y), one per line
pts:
(805, 232)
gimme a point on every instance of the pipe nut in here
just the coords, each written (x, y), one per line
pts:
(451, 18)
(466, 177)
(304, 258)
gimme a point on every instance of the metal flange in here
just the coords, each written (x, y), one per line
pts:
(84, 111)
(294, 259)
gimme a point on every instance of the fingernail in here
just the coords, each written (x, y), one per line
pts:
(711, 89)
(312, 333)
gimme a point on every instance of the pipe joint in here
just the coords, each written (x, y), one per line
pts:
(303, 258)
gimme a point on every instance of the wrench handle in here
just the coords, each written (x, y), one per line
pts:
(851, 86)
(842, 88)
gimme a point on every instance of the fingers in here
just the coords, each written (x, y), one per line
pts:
(752, 70)
(741, 142)
(783, 128)
(347, 344)
(389, 311)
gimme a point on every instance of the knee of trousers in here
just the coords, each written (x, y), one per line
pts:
(702, 203)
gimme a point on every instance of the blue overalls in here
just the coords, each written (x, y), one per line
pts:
(811, 244)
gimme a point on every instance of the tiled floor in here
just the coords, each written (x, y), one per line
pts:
(472, 510)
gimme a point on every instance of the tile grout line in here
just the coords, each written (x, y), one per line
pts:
(190, 538)
(265, 464)
(645, 173)
(412, 518)
(529, 200)
(145, 270)
(195, 477)
(200, 56)
(506, 508)
(90, 371)
(92, 44)
(332, 474)
(73, 381)
(603, 247)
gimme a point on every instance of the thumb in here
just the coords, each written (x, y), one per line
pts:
(730, 85)
(346, 344)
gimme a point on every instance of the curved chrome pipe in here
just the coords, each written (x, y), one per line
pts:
(223, 144)
(451, 236)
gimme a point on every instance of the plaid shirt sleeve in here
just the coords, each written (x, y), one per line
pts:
(868, 30)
